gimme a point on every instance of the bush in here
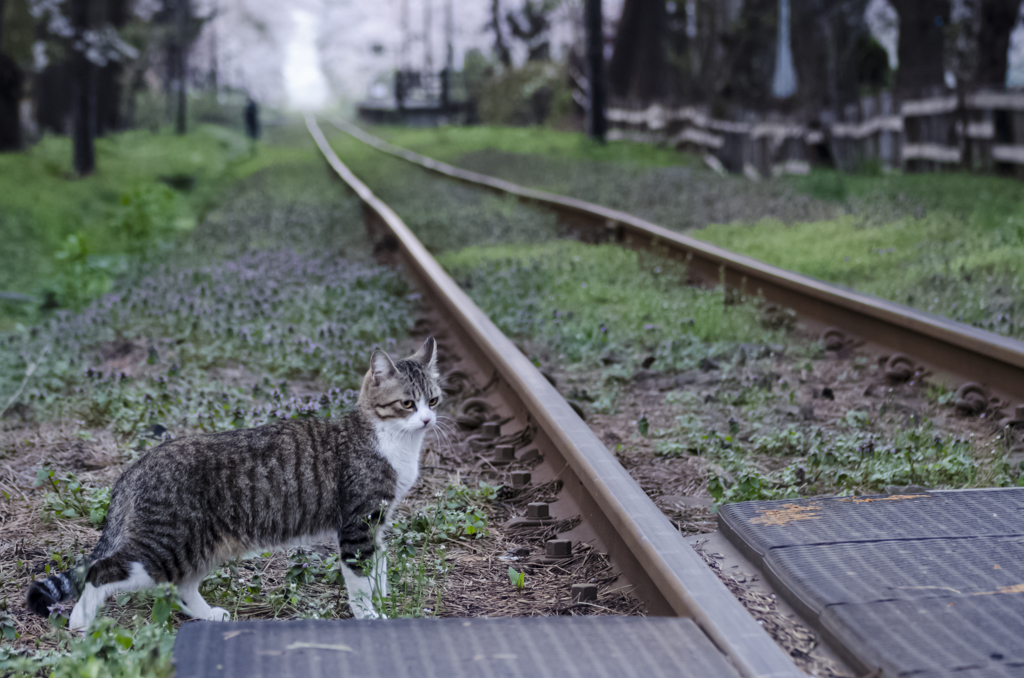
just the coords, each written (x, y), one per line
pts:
(523, 96)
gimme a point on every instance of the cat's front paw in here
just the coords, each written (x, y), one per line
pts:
(77, 621)
(361, 611)
(218, 614)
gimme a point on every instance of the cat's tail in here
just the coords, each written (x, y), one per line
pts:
(59, 588)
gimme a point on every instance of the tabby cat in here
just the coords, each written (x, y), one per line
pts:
(189, 504)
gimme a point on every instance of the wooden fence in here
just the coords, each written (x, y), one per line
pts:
(982, 131)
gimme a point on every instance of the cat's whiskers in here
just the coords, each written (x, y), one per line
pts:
(444, 431)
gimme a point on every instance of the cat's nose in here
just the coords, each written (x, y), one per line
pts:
(426, 420)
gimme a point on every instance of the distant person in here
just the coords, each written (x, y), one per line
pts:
(252, 119)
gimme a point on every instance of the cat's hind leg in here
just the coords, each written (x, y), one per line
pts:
(363, 590)
(196, 606)
(105, 578)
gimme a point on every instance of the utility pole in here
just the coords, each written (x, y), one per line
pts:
(592, 19)
(181, 122)
(403, 56)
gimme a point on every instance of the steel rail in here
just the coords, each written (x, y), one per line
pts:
(966, 353)
(668, 574)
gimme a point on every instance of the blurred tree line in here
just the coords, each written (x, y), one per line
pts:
(724, 54)
(78, 66)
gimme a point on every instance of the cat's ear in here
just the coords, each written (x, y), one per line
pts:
(427, 355)
(382, 366)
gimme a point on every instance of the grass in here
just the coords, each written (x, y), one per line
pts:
(444, 215)
(977, 197)
(55, 226)
(592, 303)
(959, 260)
(449, 143)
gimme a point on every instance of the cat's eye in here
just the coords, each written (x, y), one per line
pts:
(408, 404)
(433, 401)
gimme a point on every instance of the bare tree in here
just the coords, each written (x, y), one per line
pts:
(500, 47)
(532, 25)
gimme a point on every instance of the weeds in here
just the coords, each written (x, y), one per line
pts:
(517, 579)
(70, 499)
(817, 462)
(107, 651)
(457, 513)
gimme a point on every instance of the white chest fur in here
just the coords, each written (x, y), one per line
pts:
(402, 449)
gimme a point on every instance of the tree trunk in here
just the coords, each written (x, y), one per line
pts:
(827, 33)
(10, 96)
(10, 99)
(181, 122)
(596, 123)
(922, 24)
(83, 106)
(997, 20)
(749, 47)
(109, 117)
(637, 68)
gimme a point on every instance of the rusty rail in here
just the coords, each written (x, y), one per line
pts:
(962, 352)
(668, 574)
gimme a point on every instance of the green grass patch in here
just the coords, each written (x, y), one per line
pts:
(595, 303)
(65, 239)
(449, 143)
(444, 215)
(982, 198)
(965, 268)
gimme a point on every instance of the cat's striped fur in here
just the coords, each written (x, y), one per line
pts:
(188, 505)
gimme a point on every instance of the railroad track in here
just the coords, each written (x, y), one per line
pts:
(665, 571)
(981, 366)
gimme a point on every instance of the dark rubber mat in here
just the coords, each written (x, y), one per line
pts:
(922, 585)
(896, 570)
(938, 635)
(758, 526)
(546, 647)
